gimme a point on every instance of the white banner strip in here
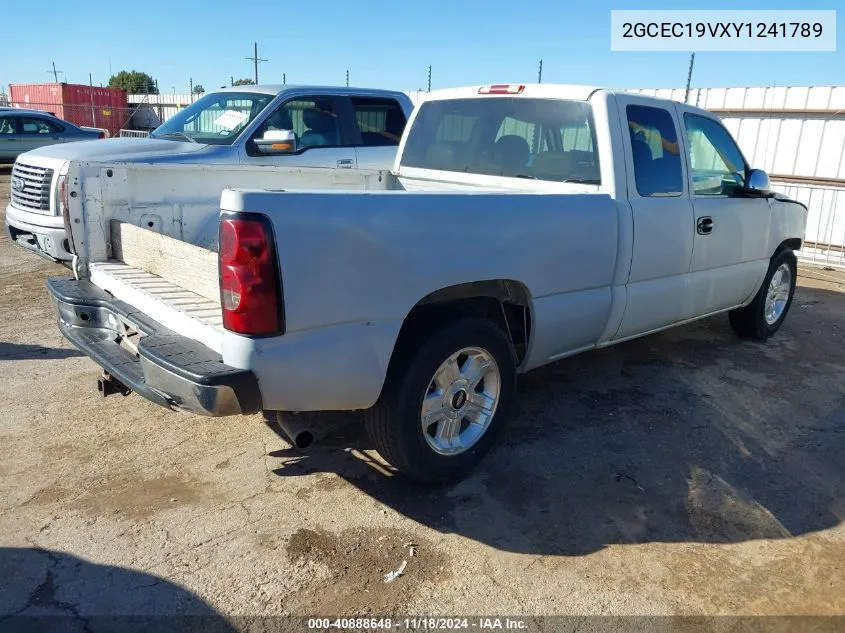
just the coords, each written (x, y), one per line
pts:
(747, 30)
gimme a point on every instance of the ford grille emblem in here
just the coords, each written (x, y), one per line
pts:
(18, 184)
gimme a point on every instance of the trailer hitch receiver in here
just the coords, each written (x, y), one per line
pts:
(108, 384)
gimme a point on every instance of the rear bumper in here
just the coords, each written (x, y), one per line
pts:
(171, 370)
(42, 234)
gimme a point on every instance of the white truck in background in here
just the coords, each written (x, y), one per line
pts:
(522, 224)
(235, 137)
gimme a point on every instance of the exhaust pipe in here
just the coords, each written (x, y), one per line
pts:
(297, 433)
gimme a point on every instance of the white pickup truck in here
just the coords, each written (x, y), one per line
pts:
(235, 137)
(522, 224)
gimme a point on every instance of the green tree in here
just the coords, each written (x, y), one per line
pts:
(198, 89)
(244, 82)
(133, 82)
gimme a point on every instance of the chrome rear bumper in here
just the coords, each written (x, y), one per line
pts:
(171, 370)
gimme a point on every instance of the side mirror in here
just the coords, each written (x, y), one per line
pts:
(758, 183)
(276, 142)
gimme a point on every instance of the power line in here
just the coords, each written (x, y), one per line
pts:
(255, 59)
(55, 72)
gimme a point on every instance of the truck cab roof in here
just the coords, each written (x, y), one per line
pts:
(278, 89)
(536, 91)
(575, 92)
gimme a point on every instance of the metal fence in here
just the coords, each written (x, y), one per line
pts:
(133, 134)
(824, 239)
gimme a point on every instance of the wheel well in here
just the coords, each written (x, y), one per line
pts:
(503, 301)
(792, 244)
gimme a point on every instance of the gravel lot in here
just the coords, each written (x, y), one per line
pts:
(685, 473)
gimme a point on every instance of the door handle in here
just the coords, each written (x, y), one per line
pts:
(704, 225)
(344, 163)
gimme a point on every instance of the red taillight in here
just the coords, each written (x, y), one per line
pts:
(501, 89)
(250, 293)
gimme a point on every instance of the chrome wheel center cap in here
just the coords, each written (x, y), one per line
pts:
(459, 399)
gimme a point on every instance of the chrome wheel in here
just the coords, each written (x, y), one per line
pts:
(460, 401)
(778, 294)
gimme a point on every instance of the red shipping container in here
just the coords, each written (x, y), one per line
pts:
(83, 105)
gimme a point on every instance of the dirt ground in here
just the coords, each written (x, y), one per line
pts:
(685, 473)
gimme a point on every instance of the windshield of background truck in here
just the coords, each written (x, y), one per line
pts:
(546, 139)
(216, 118)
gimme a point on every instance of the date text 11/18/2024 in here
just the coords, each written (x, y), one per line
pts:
(418, 624)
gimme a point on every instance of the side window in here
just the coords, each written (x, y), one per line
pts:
(380, 121)
(33, 125)
(7, 125)
(716, 163)
(656, 154)
(314, 120)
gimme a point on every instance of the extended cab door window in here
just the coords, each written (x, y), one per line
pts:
(716, 164)
(378, 124)
(380, 121)
(655, 151)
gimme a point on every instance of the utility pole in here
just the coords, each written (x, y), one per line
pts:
(55, 72)
(255, 59)
(284, 78)
(191, 79)
(689, 77)
(540, 74)
(347, 77)
(231, 80)
(91, 95)
(429, 78)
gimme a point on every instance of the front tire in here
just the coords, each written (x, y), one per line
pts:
(443, 404)
(761, 318)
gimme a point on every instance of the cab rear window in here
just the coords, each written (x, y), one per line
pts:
(544, 139)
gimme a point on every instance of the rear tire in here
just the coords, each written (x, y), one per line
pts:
(443, 404)
(761, 318)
